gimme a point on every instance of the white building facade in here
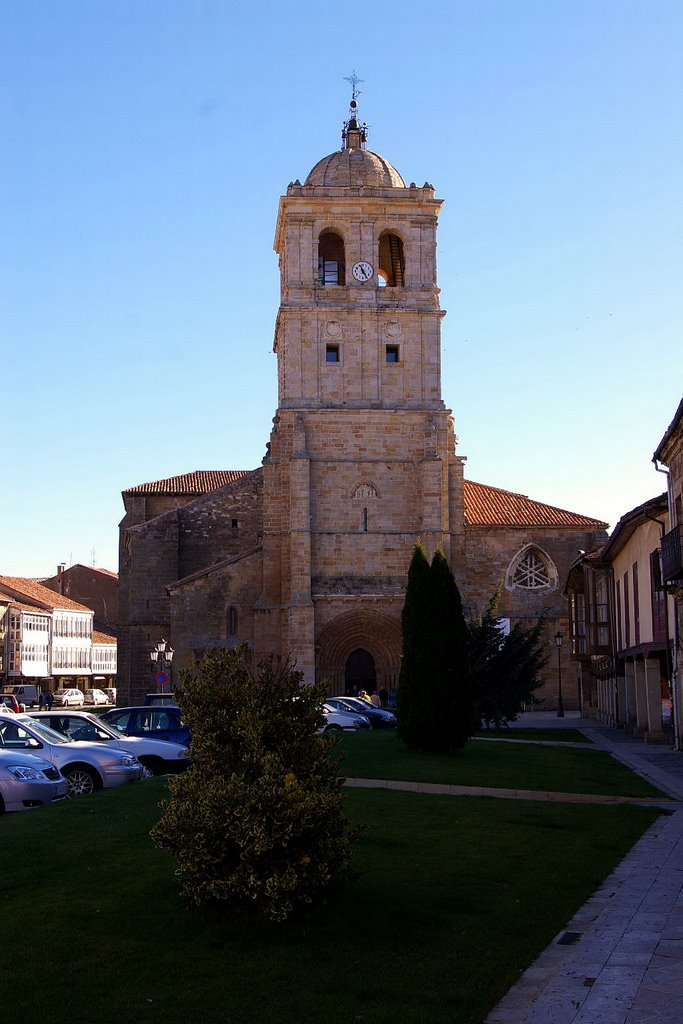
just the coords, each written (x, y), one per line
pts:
(49, 639)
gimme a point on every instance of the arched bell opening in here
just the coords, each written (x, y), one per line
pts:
(391, 272)
(331, 259)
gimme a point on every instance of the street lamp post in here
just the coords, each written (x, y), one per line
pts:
(161, 657)
(560, 704)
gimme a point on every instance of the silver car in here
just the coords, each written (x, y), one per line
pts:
(158, 757)
(342, 721)
(68, 698)
(28, 781)
(86, 766)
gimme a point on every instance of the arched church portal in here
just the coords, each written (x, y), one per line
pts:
(360, 673)
(361, 648)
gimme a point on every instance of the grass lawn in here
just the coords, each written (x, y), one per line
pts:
(551, 735)
(455, 897)
(380, 755)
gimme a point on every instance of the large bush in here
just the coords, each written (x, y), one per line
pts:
(256, 823)
(434, 704)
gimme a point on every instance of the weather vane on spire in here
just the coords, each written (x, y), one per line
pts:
(354, 82)
(354, 134)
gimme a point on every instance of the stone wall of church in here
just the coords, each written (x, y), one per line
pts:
(148, 562)
(344, 625)
(489, 554)
(221, 524)
(379, 480)
(201, 609)
(361, 374)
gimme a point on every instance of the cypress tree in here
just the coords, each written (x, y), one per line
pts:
(434, 705)
(411, 704)
(452, 702)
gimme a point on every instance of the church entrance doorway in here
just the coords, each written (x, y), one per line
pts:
(360, 673)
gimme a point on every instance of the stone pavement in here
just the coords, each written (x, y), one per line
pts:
(620, 959)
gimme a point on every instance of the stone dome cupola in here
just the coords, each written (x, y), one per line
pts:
(354, 166)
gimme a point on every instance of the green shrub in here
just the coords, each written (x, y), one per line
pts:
(256, 823)
(505, 670)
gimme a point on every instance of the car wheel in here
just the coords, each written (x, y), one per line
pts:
(332, 728)
(153, 766)
(82, 782)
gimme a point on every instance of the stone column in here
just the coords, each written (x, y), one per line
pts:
(301, 627)
(653, 696)
(621, 716)
(603, 701)
(641, 702)
(630, 694)
(431, 498)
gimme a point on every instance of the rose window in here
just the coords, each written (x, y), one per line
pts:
(531, 573)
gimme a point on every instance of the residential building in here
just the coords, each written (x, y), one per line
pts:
(621, 624)
(104, 651)
(4, 625)
(96, 588)
(49, 638)
(670, 453)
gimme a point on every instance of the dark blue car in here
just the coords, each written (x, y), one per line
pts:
(159, 723)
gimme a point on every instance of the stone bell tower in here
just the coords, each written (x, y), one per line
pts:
(361, 461)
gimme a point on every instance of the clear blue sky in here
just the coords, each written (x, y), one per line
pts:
(145, 144)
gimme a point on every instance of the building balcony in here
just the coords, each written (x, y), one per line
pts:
(672, 556)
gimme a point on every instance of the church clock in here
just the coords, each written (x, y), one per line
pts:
(362, 271)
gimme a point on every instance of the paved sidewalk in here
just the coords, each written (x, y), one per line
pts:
(620, 959)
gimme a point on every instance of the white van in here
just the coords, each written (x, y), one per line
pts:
(27, 695)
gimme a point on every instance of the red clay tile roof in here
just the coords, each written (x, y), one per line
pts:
(26, 588)
(484, 505)
(98, 637)
(492, 506)
(201, 481)
(23, 606)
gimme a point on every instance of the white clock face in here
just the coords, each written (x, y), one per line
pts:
(362, 271)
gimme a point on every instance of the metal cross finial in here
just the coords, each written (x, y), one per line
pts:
(354, 81)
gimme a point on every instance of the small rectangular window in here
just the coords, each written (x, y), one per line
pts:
(392, 354)
(332, 353)
(233, 523)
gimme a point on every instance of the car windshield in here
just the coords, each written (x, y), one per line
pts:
(84, 727)
(44, 732)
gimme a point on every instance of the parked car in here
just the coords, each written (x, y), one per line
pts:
(159, 757)
(380, 718)
(111, 694)
(342, 721)
(86, 766)
(95, 697)
(160, 700)
(10, 702)
(71, 698)
(161, 723)
(25, 694)
(27, 780)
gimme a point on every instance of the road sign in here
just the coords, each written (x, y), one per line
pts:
(161, 678)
